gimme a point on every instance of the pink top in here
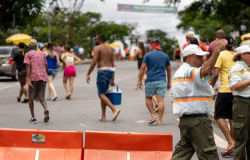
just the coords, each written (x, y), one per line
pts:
(38, 63)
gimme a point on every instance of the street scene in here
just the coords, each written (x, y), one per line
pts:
(83, 111)
(109, 79)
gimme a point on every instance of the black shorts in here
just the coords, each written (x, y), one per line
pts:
(224, 106)
(177, 57)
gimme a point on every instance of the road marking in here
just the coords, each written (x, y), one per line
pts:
(37, 154)
(6, 87)
(141, 121)
(84, 125)
(128, 155)
(221, 143)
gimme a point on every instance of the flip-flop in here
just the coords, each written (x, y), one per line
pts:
(100, 119)
(152, 121)
(227, 152)
(116, 115)
(68, 96)
(46, 116)
(159, 124)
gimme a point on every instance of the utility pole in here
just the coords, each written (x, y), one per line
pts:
(14, 23)
(49, 25)
(49, 30)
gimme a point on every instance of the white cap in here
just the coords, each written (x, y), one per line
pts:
(242, 49)
(193, 49)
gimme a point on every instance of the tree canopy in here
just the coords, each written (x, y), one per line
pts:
(167, 44)
(207, 16)
(22, 10)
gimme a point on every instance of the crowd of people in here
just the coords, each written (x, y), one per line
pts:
(38, 67)
(207, 67)
(204, 66)
(220, 66)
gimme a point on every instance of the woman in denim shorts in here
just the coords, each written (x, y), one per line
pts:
(53, 63)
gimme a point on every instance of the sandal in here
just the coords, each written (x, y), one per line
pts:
(68, 96)
(151, 121)
(227, 152)
(46, 115)
(25, 101)
(100, 119)
(116, 115)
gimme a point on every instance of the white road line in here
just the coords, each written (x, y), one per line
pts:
(84, 125)
(140, 121)
(128, 155)
(37, 154)
(6, 87)
(221, 143)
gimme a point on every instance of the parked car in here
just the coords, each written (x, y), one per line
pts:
(6, 58)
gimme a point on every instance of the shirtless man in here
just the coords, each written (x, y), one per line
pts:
(104, 57)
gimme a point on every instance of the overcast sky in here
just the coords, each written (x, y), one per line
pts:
(146, 21)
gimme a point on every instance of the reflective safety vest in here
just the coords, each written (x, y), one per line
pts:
(239, 73)
(190, 93)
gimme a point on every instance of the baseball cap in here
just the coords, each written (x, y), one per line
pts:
(193, 49)
(242, 49)
(230, 41)
(156, 44)
(190, 34)
(32, 43)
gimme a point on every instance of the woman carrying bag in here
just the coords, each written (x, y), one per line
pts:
(239, 82)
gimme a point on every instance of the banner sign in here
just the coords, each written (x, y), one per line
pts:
(146, 9)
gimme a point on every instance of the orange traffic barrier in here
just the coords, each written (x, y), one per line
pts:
(123, 146)
(40, 145)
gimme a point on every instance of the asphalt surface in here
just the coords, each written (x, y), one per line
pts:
(82, 112)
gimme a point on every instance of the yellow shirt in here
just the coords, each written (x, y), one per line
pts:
(225, 63)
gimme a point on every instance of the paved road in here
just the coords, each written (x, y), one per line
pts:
(83, 110)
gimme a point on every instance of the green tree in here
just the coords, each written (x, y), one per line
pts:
(22, 10)
(167, 44)
(70, 14)
(207, 16)
(112, 30)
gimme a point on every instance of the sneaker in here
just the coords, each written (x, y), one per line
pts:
(32, 120)
(156, 109)
(54, 99)
(48, 99)
(46, 116)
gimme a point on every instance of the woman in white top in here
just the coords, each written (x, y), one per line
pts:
(69, 60)
(239, 82)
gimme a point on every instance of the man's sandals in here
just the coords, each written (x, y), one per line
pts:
(116, 115)
(227, 152)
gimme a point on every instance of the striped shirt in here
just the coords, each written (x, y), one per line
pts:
(239, 73)
(190, 93)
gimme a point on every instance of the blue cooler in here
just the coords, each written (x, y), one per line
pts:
(115, 96)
